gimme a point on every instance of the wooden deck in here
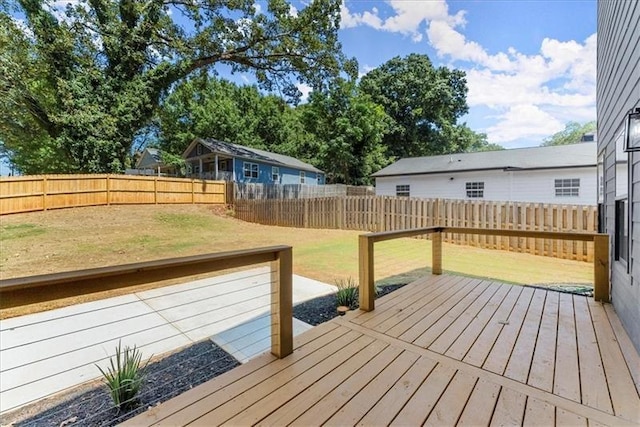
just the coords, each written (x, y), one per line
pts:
(443, 350)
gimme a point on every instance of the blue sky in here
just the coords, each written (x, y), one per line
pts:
(531, 65)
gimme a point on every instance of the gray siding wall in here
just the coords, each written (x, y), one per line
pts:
(618, 91)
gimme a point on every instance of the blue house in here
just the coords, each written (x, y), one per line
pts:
(213, 159)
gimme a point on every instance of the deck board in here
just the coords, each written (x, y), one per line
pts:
(444, 350)
(567, 373)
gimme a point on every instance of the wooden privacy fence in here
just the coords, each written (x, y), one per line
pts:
(43, 192)
(381, 213)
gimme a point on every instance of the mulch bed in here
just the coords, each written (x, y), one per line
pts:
(90, 404)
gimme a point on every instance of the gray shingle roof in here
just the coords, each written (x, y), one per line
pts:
(561, 156)
(256, 154)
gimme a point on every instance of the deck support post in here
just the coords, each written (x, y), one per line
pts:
(366, 291)
(601, 268)
(436, 252)
(282, 304)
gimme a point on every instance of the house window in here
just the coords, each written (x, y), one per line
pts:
(403, 190)
(567, 187)
(198, 150)
(622, 230)
(302, 177)
(475, 190)
(319, 178)
(250, 170)
(275, 173)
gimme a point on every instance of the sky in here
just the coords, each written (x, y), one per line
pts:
(530, 65)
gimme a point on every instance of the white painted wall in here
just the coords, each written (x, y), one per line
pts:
(516, 186)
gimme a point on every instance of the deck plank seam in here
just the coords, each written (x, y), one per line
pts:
(238, 379)
(483, 327)
(471, 319)
(444, 287)
(463, 286)
(501, 326)
(273, 392)
(569, 405)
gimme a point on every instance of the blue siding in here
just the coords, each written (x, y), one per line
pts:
(286, 176)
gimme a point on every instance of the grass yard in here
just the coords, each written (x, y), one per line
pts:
(71, 239)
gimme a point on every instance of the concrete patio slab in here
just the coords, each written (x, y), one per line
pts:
(252, 338)
(45, 353)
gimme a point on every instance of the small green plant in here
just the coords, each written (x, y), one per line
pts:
(347, 294)
(125, 375)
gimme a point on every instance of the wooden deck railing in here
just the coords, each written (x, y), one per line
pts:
(48, 287)
(367, 241)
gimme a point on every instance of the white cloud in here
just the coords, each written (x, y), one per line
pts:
(407, 19)
(305, 89)
(364, 70)
(523, 121)
(532, 96)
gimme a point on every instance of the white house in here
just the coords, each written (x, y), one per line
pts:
(565, 174)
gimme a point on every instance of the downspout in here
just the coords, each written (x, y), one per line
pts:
(200, 164)
(216, 167)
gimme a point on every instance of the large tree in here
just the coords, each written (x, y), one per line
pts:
(82, 83)
(571, 134)
(425, 104)
(348, 128)
(211, 108)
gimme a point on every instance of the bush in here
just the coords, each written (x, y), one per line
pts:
(347, 294)
(125, 375)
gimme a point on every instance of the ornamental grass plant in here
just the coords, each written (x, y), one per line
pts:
(124, 376)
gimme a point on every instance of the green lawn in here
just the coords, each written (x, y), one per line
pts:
(69, 239)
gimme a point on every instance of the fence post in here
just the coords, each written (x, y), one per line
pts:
(601, 268)
(155, 190)
(365, 260)
(108, 190)
(436, 253)
(44, 193)
(305, 219)
(282, 303)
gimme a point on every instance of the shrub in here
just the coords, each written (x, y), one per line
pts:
(347, 294)
(125, 375)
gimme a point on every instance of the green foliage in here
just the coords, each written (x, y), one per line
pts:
(424, 104)
(77, 86)
(348, 129)
(242, 115)
(571, 134)
(347, 294)
(124, 376)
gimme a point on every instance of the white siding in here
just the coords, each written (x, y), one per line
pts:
(618, 91)
(514, 186)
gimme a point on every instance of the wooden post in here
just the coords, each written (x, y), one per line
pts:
(193, 196)
(155, 190)
(44, 193)
(108, 190)
(282, 304)
(305, 218)
(601, 268)
(365, 260)
(436, 253)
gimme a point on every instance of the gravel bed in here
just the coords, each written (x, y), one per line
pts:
(90, 404)
(165, 379)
